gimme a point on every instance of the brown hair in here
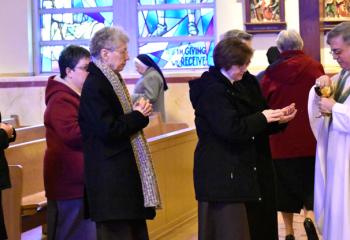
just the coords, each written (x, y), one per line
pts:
(231, 51)
(342, 29)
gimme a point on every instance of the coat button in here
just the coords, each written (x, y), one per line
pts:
(231, 175)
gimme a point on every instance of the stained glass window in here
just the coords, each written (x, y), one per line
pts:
(187, 25)
(73, 26)
(180, 55)
(49, 4)
(64, 22)
(170, 23)
(177, 34)
(157, 2)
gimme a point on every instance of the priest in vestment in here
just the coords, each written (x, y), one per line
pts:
(332, 132)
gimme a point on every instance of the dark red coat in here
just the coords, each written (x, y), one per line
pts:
(290, 81)
(63, 163)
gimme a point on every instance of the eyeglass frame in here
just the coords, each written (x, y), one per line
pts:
(119, 50)
(337, 51)
(83, 68)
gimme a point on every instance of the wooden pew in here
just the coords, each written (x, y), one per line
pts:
(11, 202)
(177, 144)
(27, 134)
(157, 127)
(172, 155)
(30, 156)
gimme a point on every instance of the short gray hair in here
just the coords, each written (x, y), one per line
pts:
(236, 33)
(107, 38)
(342, 29)
(289, 40)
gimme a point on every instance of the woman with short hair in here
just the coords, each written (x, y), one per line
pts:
(63, 161)
(121, 187)
(233, 171)
(293, 150)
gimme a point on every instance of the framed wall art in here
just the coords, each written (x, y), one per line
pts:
(264, 16)
(333, 12)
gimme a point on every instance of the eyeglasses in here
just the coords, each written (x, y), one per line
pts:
(83, 68)
(120, 51)
(336, 51)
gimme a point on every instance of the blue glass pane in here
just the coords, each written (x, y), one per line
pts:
(171, 23)
(180, 55)
(73, 26)
(48, 4)
(157, 2)
(49, 58)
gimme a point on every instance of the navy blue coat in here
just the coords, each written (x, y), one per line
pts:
(113, 186)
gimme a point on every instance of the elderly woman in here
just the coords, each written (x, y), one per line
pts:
(120, 182)
(293, 150)
(152, 84)
(63, 161)
(233, 171)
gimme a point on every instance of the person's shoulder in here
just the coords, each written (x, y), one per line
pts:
(248, 77)
(95, 80)
(152, 73)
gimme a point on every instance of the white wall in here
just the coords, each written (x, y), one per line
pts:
(16, 39)
(16, 33)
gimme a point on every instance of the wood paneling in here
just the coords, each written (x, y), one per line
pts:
(309, 21)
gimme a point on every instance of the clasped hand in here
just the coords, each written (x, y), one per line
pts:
(143, 106)
(325, 105)
(283, 115)
(8, 129)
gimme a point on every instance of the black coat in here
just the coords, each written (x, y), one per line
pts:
(4, 174)
(112, 180)
(232, 161)
(4, 170)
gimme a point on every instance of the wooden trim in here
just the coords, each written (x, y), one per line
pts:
(22, 84)
(42, 83)
(309, 20)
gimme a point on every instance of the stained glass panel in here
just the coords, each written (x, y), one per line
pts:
(49, 58)
(157, 2)
(180, 55)
(180, 22)
(73, 26)
(49, 4)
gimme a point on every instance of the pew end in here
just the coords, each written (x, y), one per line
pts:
(11, 200)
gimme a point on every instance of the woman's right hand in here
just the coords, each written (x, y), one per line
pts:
(8, 129)
(143, 106)
(273, 115)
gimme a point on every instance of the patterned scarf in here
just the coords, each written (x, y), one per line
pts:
(339, 94)
(138, 141)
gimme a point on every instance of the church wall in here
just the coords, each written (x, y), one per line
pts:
(28, 102)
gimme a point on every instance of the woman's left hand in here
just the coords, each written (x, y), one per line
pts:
(289, 113)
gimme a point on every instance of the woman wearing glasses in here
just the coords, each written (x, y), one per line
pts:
(63, 162)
